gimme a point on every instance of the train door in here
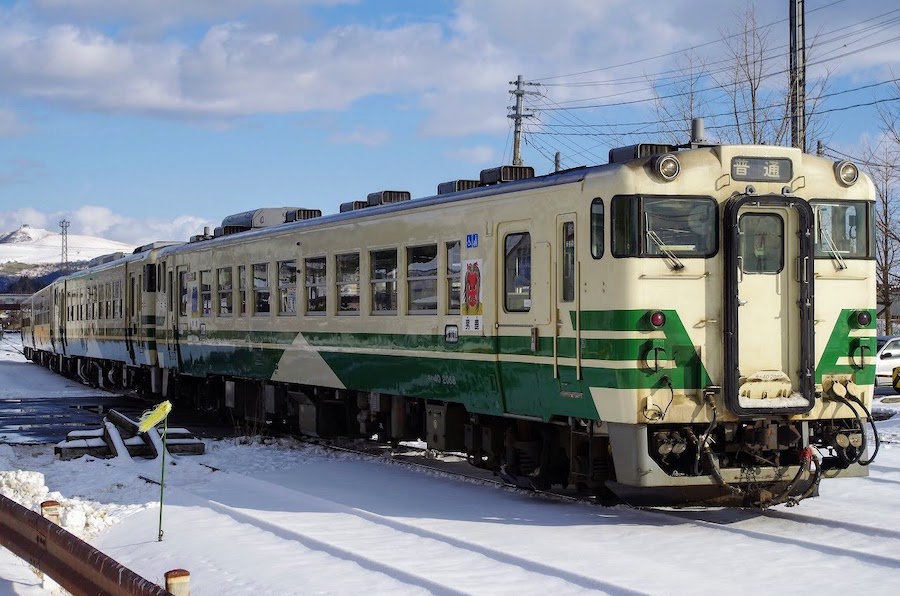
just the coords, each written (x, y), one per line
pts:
(523, 316)
(768, 306)
(168, 317)
(133, 327)
(567, 343)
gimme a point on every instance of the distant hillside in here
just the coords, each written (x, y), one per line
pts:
(30, 257)
(34, 246)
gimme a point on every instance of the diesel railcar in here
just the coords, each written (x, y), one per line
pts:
(685, 323)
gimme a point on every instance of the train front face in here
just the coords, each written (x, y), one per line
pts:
(753, 267)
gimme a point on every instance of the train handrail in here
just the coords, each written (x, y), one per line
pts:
(71, 562)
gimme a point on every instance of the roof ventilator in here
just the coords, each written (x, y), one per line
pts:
(506, 174)
(302, 214)
(385, 197)
(256, 218)
(445, 188)
(353, 206)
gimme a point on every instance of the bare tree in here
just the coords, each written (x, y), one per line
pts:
(678, 102)
(885, 173)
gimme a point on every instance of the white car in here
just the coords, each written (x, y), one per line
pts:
(887, 359)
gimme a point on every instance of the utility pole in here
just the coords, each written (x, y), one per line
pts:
(517, 116)
(64, 225)
(798, 74)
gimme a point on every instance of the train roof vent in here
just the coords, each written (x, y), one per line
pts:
(353, 206)
(257, 218)
(623, 154)
(445, 188)
(155, 245)
(219, 231)
(388, 196)
(506, 174)
(102, 259)
(302, 214)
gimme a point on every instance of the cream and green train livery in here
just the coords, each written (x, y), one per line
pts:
(690, 322)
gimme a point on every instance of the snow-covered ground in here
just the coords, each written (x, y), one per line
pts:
(287, 518)
(36, 246)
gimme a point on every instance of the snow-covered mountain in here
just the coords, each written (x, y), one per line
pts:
(35, 246)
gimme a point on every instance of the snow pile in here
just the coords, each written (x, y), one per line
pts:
(83, 517)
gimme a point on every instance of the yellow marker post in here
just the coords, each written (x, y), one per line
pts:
(148, 420)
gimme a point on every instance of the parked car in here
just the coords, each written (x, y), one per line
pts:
(887, 359)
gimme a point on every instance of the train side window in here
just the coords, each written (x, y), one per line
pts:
(316, 285)
(384, 281)
(421, 273)
(242, 289)
(347, 283)
(287, 287)
(261, 289)
(597, 231)
(568, 261)
(226, 291)
(517, 268)
(206, 292)
(454, 267)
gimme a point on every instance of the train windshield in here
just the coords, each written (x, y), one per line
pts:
(659, 226)
(843, 229)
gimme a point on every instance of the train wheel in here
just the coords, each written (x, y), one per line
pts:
(477, 458)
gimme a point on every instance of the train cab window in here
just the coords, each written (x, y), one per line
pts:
(454, 267)
(226, 291)
(347, 267)
(843, 229)
(316, 285)
(567, 249)
(206, 292)
(664, 226)
(384, 281)
(242, 289)
(517, 272)
(762, 243)
(287, 287)
(421, 274)
(261, 289)
(597, 228)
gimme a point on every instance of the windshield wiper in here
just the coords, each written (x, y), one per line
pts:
(674, 262)
(833, 249)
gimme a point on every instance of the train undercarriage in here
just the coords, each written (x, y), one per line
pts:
(746, 463)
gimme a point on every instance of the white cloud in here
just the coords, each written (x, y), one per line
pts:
(368, 137)
(480, 154)
(84, 54)
(102, 222)
(10, 124)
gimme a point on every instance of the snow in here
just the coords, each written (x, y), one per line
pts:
(256, 516)
(36, 246)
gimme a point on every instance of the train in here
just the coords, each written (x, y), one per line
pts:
(688, 323)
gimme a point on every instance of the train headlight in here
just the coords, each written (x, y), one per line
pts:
(657, 318)
(846, 172)
(863, 318)
(666, 166)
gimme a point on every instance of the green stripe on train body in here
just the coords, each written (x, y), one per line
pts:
(843, 345)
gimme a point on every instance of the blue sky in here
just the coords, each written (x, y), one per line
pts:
(149, 119)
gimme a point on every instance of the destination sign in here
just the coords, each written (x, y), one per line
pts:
(762, 169)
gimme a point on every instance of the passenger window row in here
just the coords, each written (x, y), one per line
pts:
(304, 287)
